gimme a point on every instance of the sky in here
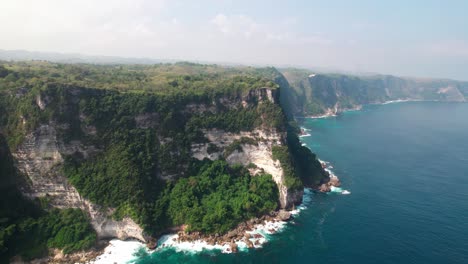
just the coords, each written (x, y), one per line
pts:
(406, 38)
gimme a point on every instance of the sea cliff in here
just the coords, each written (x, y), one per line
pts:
(121, 154)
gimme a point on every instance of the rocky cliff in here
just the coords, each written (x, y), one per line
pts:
(42, 152)
(39, 157)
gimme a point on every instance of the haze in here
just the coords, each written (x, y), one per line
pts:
(409, 38)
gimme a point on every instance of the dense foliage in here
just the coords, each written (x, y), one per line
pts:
(306, 164)
(180, 78)
(219, 197)
(282, 154)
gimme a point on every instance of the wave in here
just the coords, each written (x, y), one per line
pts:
(128, 251)
(328, 168)
(119, 251)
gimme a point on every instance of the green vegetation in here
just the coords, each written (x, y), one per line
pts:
(307, 167)
(219, 197)
(282, 154)
(180, 78)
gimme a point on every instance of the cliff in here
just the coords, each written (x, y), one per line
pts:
(121, 154)
(313, 94)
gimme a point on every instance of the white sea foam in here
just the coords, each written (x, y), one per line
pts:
(396, 101)
(171, 241)
(333, 189)
(305, 135)
(259, 236)
(119, 251)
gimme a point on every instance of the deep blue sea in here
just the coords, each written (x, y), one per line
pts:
(406, 166)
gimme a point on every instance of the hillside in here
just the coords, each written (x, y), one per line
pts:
(141, 149)
(311, 94)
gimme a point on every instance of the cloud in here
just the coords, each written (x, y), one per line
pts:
(237, 25)
(73, 25)
(246, 27)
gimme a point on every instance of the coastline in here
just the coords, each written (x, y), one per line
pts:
(253, 233)
(250, 234)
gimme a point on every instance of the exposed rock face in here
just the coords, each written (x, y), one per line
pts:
(284, 215)
(261, 95)
(39, 157)
(451, 93)
(41, 102)
(259, 154)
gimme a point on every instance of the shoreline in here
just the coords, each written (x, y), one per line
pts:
(250, 234)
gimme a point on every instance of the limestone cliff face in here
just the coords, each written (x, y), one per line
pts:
(40, 158)
(257, 152)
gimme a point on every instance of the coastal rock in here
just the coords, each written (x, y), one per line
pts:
(248, 243)
(284, 215)
(233, 247)
(324, 188)
(334, 181)
(151, 244)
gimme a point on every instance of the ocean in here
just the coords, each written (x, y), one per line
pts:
(406, 166)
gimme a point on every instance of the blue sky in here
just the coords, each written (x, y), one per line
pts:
(409, 38)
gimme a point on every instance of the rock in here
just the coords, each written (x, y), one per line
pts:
(152, 244)
(232, 233)
(247, 235)
(334, 181)
(233, 247)
(257, 236)
(284, 215)
(248, 243)
(324, 188)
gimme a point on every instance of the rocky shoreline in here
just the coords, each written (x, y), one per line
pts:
(333, 180)
(244, 232)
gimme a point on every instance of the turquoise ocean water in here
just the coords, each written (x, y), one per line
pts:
(406, 166)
